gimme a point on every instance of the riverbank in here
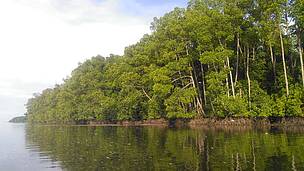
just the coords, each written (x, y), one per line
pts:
(208, 122)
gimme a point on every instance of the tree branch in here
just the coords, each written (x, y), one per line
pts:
(146, 94)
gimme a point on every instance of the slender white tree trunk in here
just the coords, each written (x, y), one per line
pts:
(273, 61)
(248, 78)
(301, 57)
(231, 79)
(237, 59)
(284, 64)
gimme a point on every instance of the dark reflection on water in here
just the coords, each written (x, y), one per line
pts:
(76, 148)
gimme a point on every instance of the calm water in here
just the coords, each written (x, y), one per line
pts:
(74, 148)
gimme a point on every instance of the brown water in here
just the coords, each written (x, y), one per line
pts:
(84, 148)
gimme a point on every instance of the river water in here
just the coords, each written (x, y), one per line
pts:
(73, 148)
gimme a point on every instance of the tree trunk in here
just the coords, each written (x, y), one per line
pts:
(199, 106)
(301, 56)
(203, 84)
(198, 98)
(197, 83)
(273, 61)
(284, 63)
(227, 82)
(248, 78)
(231, 79)
(244, 61)
(227, 86)
(237, 59)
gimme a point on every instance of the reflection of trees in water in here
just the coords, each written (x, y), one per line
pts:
(152, 148)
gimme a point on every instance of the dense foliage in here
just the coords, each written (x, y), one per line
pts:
(218, 58)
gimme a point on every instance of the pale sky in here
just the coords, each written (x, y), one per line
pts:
(42, 41)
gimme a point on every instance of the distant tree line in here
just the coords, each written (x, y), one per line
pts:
(18, 119)
(215, 58)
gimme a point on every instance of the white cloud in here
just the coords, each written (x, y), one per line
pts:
(42, 41)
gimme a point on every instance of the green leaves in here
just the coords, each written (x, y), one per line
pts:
(217, 56)
(230, 107)
(180, 103)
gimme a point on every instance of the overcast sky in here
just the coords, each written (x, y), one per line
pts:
(42, 41)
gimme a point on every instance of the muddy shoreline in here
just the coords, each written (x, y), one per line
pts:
(208, 122)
